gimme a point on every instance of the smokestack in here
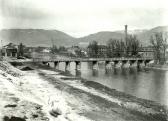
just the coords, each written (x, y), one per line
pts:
(125, 31)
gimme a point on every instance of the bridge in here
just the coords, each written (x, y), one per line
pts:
(117, 62)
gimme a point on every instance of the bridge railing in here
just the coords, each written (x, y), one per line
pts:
(87, 59)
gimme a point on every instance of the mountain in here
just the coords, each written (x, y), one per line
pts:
(36, 37)
(101, 37)
(143, 35)
(136, 31)
(40, 37)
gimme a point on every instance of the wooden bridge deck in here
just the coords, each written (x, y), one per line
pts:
(89, 59)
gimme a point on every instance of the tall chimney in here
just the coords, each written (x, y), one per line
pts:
(125, 31)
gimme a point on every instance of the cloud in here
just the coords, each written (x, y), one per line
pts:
(81, 17)
(14, 9)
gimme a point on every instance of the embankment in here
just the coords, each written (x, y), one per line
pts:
(48, 94)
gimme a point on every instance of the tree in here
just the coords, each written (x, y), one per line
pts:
(93, 49)
(53, 49)
(160, 45)
(20, 50)
(134, 45)
(111, 47)
(61, 48)
(115, 48)
(119, 48)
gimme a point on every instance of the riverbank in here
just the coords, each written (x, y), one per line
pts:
(117, 98)
(159, 66)
(49, 93)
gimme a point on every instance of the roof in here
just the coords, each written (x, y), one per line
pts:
(10, 46)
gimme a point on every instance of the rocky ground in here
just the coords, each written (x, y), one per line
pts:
(47, 94)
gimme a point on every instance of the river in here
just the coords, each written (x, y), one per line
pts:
(147, 83)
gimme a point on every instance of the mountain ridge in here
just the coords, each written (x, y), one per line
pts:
(44, 37)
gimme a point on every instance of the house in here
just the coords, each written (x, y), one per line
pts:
(10, 50)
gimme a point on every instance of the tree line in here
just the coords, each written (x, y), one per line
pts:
(159, 43)
(117, 48)
(130, 47)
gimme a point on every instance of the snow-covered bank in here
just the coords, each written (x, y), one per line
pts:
(12, 105)
(28, 97)
(144, 107)
(46, 94)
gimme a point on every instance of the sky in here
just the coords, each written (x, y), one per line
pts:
(82, 17)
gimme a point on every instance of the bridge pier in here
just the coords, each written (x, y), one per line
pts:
(67, 65)
(77, 65)
(117, 64)
(147, 62)
(133, 63)
(48, 64)
(141, 64)
(107, 64)
(94, 64)
(56, 64)
(125, 64)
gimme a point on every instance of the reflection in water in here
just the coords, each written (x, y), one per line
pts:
(144, 83)
(95, 72)
(77, 73)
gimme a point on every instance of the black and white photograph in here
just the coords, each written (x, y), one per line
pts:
(83, 60)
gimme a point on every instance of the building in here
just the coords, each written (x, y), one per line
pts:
(73, 49)
(76, 51)
(99, 51)
(102, 51)
(10, 50)
(146, 52)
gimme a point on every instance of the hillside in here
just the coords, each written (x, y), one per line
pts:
(145, 36)
(40, 37)
(36, 37)
(142, 35)
(101, 37)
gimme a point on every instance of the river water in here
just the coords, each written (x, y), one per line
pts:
(146, 83)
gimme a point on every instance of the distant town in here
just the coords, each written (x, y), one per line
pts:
(130, 46)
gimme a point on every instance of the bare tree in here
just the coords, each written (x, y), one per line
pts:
(54, 49)
(119, 48)
(115, 48)
(160, 45)
(134, 45)
(93, 49)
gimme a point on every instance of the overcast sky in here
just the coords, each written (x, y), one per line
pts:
(82, 17)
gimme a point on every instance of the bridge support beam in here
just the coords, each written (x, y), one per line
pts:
(56, 64)
(94, 64)
(77, 65)
(67, 65)
(125, 64)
